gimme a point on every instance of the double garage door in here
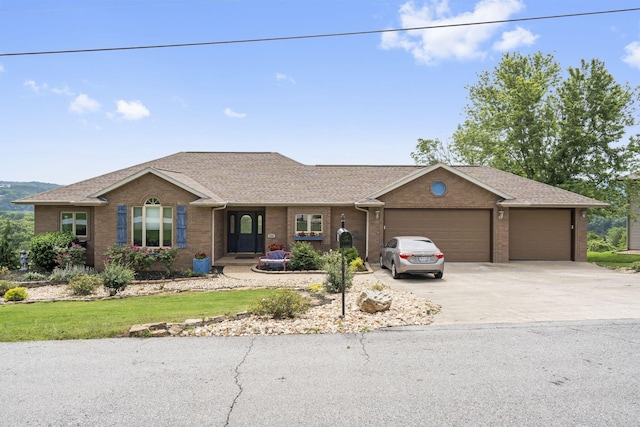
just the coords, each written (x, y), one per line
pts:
(461, 234)
(465, 234)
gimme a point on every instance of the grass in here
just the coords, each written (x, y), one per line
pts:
(113, 318)
(612, 259)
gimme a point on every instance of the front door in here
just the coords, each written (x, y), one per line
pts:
(245, 232)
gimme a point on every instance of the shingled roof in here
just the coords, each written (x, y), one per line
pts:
(243, 178)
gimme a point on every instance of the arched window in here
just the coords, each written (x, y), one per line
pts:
(153, 224)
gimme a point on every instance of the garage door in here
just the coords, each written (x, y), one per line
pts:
(461, 234)
(540, 234)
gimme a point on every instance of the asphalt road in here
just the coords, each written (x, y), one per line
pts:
(535, 374)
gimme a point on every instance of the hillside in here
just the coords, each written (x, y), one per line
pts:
(16, 190)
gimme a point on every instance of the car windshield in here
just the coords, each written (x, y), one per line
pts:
(417, 245)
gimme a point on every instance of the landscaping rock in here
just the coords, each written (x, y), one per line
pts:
(371, 301)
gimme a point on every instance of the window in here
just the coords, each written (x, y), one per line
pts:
(438, 188)
(153, 224)
(74, 223)
(308, 224)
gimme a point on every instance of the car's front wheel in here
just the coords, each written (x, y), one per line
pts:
(394, 272)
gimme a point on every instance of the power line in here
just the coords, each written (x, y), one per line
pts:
(317, 36)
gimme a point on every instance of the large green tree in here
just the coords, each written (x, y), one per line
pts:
(524, 117)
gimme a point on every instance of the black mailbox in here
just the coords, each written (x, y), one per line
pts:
(345, 239)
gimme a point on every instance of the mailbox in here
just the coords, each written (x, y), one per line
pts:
(345, 239)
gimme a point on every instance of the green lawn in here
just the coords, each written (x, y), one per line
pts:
(612, 259)
(113, 318)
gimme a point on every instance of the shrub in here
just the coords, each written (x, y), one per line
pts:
(8, 255)
(333, 266)
(69, 272)
(275, 247)
(167, 256)
(42, 249)
(599, 246)
(635, 266)
(5, 285)
(71, 255)
(116, 278)
(350, 254)
(617, 237)
(304, 257)
(357, 264)
(33, 276)
(84, 284)
(136, 258)
(16, 294)
(4, 270)
(282, 304)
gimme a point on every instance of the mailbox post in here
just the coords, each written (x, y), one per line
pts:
(345, 240)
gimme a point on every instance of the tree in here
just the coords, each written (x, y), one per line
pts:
(8, 256)
(524, 118)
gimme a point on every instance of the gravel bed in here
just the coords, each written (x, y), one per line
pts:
(406, 309)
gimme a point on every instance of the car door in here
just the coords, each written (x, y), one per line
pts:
(388, 251)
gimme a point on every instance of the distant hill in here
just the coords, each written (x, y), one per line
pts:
(17, 190)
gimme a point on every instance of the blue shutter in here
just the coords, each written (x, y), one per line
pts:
(181, 226)
(121, 238)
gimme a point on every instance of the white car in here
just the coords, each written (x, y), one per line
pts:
(412, 254)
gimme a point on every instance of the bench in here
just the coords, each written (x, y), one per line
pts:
(274, 259)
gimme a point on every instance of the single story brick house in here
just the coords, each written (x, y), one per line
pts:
(633, 226)
(235, 203)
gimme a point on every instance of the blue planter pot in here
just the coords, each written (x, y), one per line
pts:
(201, 266)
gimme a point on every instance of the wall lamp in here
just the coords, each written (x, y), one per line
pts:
(500, 214)
(377, 212)
(583, 213)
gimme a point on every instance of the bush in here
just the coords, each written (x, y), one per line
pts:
(350, 254)
(617, 237)
(16, 294)
(136, 258)
(69, 272)
(167, 256)
(333, 267)
(8, 255)
(304, 257)
(84, 284)
(635, 266)
(71, 255)
(599, 246)
(32, 276)
(116, 278)
(5, 285)
(42, 248)
(357, 264)
(282, 304)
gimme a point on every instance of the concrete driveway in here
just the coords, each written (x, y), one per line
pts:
(524, 291)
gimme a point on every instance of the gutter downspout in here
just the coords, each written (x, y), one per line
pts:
(213, 231)
(366, 240)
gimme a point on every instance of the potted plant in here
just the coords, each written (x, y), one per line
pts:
(201, 263)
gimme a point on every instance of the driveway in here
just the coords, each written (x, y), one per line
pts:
(524, 291)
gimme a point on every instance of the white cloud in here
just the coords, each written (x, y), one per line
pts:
(132, 110)
(284, 78)
(83, 104)
(513, 39)
(1, 68)
(461, 43)
(31, 84)
(230, 113)
(633, 54)
(62, 91)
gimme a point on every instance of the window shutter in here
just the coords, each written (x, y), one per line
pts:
(181, 226)
(121, 237)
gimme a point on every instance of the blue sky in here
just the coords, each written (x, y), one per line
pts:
(362, 99)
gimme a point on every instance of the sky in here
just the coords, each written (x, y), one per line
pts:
(358, 99)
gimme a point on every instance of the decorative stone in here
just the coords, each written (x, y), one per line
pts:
(371, 301)
(138, 330)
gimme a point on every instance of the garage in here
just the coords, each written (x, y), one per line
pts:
(540, 235)
(461, 234)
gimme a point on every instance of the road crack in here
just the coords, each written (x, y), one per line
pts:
(237, 381)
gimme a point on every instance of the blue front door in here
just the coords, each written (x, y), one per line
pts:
(245, 232)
